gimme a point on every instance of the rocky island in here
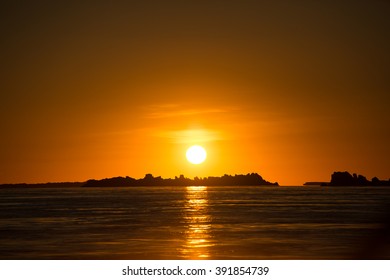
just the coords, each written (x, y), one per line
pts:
(250, 179)
(346, 179)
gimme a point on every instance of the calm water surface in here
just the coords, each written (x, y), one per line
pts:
(195, 223)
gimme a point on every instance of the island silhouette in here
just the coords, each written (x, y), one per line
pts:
(344, 178)
(338, 178)
(250, 179)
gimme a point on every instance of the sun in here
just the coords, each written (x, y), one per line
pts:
(196, 154)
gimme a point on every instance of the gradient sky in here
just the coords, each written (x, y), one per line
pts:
(293, 90)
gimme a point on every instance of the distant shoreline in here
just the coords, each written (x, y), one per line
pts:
(251, 179)
(43, 185)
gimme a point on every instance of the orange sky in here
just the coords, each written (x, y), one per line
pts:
(293, 91)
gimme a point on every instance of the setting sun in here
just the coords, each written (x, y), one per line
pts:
(196, 154)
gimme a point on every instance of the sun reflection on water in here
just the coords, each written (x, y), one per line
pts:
(198, 224)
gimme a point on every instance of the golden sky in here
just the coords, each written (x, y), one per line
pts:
(293, 90)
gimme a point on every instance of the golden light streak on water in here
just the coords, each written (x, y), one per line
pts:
(198, 224)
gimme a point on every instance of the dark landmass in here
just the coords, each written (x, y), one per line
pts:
(346, 179)
(44, 185)
(251, 179)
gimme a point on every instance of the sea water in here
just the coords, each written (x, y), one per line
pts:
(195, 222)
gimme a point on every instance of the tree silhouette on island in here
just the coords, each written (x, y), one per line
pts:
(250, 179)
